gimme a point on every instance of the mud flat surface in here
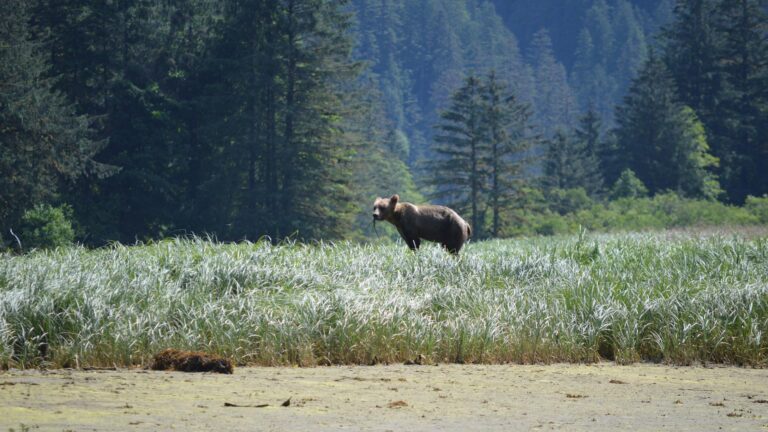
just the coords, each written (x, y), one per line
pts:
(396, 398)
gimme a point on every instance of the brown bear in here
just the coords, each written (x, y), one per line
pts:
(429, 222)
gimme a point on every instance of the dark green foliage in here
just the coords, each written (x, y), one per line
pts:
(459, 174)
(135, 76)
(571, 161)
(691, 46)
(743, 109)
(662, 140)
(628, 186)
(221, 116)
(282, 101)
(554, 102)
(587, 135)
(285, 118)
(482, 148)
(718, 55)
(567, 165)
(44, 227)
(43, 142)
(561, 168)
(510, 138)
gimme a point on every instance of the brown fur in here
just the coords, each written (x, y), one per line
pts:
(425, 222)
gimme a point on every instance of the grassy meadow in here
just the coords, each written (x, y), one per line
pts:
(677, 297)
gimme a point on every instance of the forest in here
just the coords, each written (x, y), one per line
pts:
(135, 120)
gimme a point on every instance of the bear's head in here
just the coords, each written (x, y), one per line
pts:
(384, 208)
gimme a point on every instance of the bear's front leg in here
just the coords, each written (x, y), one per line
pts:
(413, 242)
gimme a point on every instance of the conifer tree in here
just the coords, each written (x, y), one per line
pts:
(691, 45)
(561, 165)
(587, 138)
(459, 173)
(43, 141)
(660, 139)
(555, 104)
(286, 74)
(483, 153)
(510, 137)
(743, 104)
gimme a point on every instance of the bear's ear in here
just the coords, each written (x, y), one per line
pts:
(393, 201)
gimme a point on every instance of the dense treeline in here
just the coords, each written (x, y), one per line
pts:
(141, 119)
(239, 118)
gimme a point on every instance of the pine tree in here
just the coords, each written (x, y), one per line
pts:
(572, 160)
(690, 52)
(628, 186)
(562, 169)
(587, 138)
(112, 59)
(510, 137)
(483, 153)
(459, 174)
(554, 103)
(285, 69)
(44, 141)
(743, 103)
(660, 139)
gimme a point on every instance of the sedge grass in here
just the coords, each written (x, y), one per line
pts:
(668, 297)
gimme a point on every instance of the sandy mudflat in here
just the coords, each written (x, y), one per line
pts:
(396, 398)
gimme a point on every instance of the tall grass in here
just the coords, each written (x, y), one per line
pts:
(677, 298)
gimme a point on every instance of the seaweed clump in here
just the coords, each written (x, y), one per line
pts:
(189, 361)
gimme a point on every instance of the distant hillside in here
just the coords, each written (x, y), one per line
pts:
(560, 57)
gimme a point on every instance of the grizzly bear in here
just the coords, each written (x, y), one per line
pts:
(428, 222)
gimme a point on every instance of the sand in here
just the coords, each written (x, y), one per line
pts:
(390, 398)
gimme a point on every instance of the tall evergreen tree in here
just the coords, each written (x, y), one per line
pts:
(743, 58)
(285, 68)
(459, 174)
(661, 140)
(562, 168)
(571, 160)
(691, 45)
(483, 153)
(378, 169)
(588, 140)
(510, 137)
(554, 102)
(43, 142)
(111, 58)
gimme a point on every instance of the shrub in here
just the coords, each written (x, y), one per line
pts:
(758, 207)
(564, 201)
(45, 227)
(551, 224)
(628, 186)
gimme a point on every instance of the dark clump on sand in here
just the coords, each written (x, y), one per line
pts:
(188, 361)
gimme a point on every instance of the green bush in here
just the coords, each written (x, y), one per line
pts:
(758, 207)
(551, 224)
(564, 201)
(565, 211)
(45, 227)
(628, 186)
